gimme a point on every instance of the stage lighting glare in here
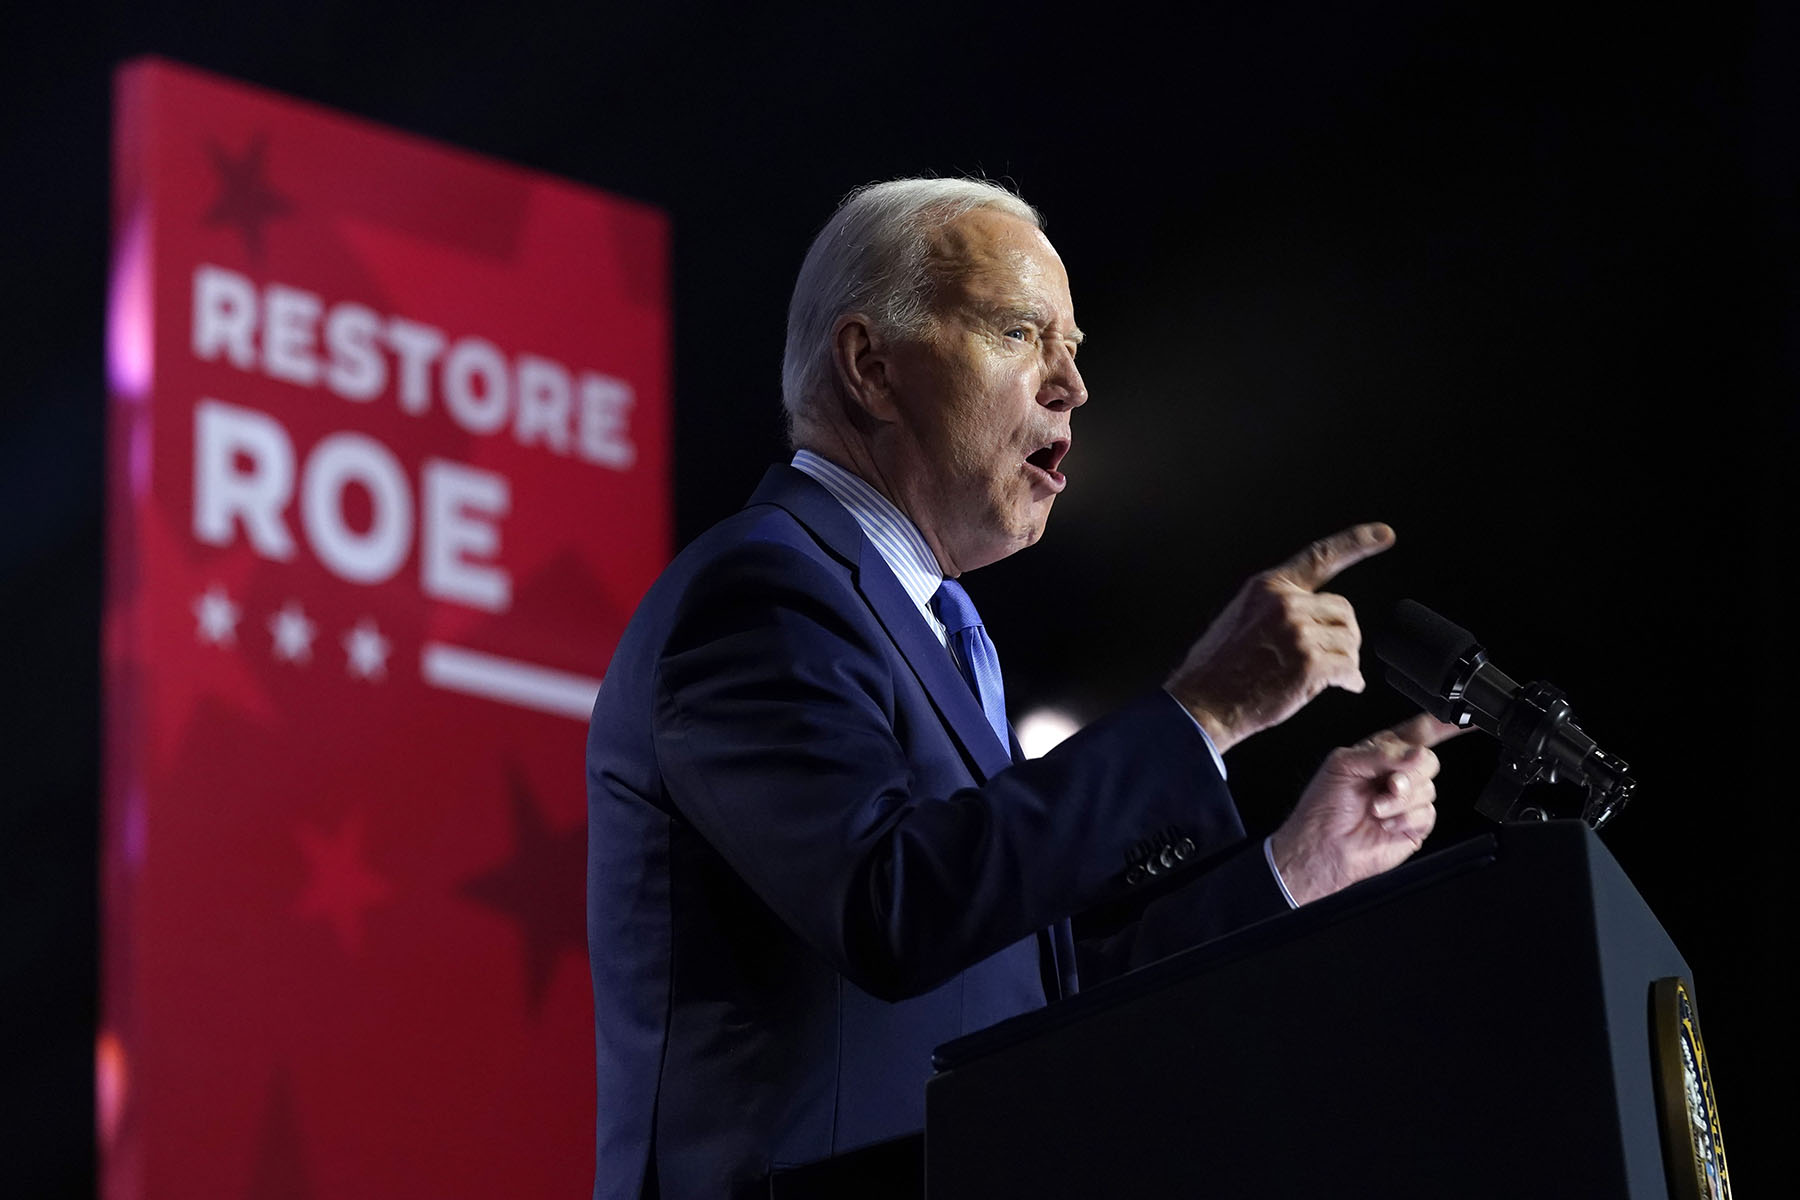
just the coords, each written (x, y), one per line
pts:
(1042, 728)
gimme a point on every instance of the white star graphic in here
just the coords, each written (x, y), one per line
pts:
(367, 650)
(293, 633)
(218, 617)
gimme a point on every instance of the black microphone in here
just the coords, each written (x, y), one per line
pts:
(1439, 665)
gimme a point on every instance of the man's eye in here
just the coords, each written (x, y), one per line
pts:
(1019, 332)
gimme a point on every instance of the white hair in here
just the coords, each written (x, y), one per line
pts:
(873, 258)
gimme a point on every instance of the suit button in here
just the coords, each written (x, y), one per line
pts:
(1184, 847)
(1134, 876)
(1168, 858)
(1152, 867)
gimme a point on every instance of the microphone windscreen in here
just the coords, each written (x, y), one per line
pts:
(1423, 646)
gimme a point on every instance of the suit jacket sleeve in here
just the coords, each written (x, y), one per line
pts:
(1196, 903)
(796, 742)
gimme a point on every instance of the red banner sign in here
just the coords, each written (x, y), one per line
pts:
(390, 445)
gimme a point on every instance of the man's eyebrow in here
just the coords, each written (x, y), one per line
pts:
(1004, 313)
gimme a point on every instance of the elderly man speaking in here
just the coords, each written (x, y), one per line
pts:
(815, 852)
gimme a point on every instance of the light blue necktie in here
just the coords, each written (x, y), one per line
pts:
(975, 653)
(980, 664)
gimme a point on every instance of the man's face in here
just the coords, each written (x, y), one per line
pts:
(985, 397)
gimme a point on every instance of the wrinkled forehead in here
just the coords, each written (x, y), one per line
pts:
(988, 252)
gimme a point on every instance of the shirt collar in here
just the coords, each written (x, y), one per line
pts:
(896, 538)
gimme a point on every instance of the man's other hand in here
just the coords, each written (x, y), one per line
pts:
(1368, 808)
(1279, 643)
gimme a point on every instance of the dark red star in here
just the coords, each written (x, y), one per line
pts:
(246, 200)
(542, 889)
(340, 885)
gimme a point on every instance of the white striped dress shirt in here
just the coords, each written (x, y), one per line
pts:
(899, 541)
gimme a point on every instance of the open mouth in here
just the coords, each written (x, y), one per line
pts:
(1047, 458)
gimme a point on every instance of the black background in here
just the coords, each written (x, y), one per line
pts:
(1517, 280)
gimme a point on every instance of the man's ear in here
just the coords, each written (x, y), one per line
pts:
(864, 370)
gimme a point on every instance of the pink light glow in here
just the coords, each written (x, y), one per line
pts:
(112, 1079)
(130, 348)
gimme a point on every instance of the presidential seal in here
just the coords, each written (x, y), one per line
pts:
(1693, 1146)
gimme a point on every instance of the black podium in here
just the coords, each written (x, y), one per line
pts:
(1474, 1024)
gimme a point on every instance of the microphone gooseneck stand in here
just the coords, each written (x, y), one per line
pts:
(1439, 666)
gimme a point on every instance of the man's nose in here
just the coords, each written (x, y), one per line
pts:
(1063, 388)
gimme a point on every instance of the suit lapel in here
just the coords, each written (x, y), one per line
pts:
(832, 524)
(931, 662)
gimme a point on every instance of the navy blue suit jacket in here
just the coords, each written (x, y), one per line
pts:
(811, 862)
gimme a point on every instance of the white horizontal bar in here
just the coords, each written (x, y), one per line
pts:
(508, 680)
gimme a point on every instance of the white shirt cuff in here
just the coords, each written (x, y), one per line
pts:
(1218, 759)
(1269, 857)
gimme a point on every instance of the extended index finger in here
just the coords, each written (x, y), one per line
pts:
(1314, 566)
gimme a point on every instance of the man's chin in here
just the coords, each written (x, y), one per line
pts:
(1031, 528)
(1009, 530)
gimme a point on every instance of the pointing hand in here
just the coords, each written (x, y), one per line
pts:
(1279, 643)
